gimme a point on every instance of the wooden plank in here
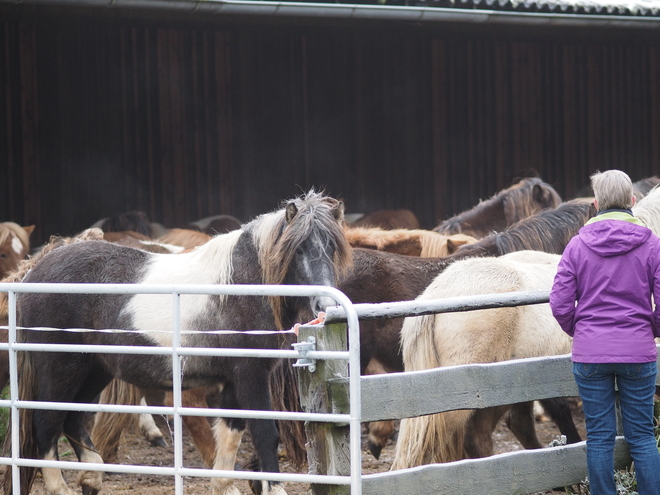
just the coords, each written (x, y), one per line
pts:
(475, 386)
(327, 443)
(504, 474)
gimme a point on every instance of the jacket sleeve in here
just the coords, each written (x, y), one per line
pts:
(656, 293)
(564, 294)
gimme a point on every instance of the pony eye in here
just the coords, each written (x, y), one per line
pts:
(299, 252)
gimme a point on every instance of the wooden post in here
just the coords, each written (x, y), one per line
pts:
(327, 443)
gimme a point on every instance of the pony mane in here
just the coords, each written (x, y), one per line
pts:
(277, 240)
(415, 242)
(8, 228)
(647, 210)
(518, 201)
(548, 230)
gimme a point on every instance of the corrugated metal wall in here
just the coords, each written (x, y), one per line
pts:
(185, 120)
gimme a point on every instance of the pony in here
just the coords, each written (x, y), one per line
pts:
(522, 199)
(301, 243)
(14, 246)
(216, 224)
(141, 241)
(549, 231)
(417, 242)
(187, 238)
(378, 277)
(647, 210)
(642, 187)
(135, 220)
(482, 336)
(388, 219)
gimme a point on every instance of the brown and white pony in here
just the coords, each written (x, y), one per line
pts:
(502, 210)
(388, 219)
(14, 246)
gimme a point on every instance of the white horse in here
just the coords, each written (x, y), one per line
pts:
(481, 336)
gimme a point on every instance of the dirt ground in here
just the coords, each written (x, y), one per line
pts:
(136, 450)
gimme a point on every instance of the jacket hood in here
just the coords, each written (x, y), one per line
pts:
(611, 234)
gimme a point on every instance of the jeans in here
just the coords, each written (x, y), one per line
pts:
(636, 384)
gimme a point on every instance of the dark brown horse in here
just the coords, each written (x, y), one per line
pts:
(502, 210)
(548, 231)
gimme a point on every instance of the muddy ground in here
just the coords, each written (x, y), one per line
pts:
(136, 450)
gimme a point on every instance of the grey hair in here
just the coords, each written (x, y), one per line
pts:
(612, 189)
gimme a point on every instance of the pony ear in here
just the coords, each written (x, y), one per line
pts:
(451, 246)
(29, 229)
(338, 211)
(541, 194)
(291, 212)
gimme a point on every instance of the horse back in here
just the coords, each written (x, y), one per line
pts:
(82, 262)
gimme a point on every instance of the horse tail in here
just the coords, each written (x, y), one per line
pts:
(108, 427)
(436, 437)
(27, 390)
(285, 396)
(418, 343)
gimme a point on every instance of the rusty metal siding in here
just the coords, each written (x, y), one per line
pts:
(185, 120)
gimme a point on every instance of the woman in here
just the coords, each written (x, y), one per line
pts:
(611, 269)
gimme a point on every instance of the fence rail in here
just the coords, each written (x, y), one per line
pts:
(345, 400)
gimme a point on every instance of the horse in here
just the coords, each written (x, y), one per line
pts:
(522, 199)
(415, 242)
(141, 241)
(135, 220)
(548, 230)
(648, 210)
(216, 224)
(14, 246)
(301, 243)
(388, 220)
(482, 336)
(378, 277)
(187, 238)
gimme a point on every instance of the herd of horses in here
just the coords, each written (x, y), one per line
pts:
(509, 242)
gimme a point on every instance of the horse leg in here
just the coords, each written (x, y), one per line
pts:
(379, 431)
(479, 432)
(47, 427)
(228, 434)
(198, 426)
(147, 427)
(520, 421)
(559, 411)
(251, 392)
(89, 481)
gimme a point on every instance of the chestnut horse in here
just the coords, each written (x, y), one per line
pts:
(14, 246)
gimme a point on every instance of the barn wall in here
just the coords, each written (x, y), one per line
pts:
(185, 119)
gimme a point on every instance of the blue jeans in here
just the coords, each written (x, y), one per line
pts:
(636, 384)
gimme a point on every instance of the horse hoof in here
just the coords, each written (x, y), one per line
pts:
(375, 449)
(158, 442)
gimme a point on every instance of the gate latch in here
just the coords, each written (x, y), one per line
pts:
(303, 348)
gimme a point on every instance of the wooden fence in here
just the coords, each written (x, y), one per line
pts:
(410, 394)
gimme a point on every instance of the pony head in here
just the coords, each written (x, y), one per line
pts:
(14, 246)
(303, 244)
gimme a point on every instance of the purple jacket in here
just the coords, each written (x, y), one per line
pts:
(611, 269)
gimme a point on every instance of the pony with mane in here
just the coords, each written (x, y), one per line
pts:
(216, 224)
(502, 210)
(482, 336)
(14, 246)
(388, 220)
(186, 238)
(416, 242)
(302, 243)
(549, 231)
(647, 210)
